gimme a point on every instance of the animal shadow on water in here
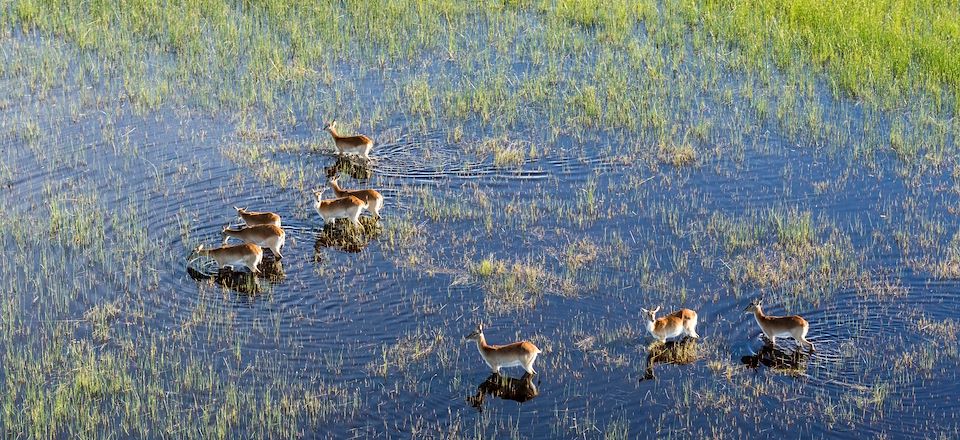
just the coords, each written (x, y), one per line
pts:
(504, 387)
(777, 359)
(242, 281)
(353, 166)
(679, 352)
(346, 237)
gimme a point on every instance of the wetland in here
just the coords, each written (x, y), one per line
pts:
(549, 168)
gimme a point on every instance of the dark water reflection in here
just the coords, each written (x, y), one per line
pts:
(506, 388)
(345, 237)
(777, 359)
(679, 352)
(245, 282)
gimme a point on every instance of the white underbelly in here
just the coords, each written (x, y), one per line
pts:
(232, 262)
(515, 363)
(336, 213)
(359, 149)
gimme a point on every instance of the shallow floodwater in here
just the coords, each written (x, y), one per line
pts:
(604, 236)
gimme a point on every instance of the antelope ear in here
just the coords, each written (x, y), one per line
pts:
(656, 309)
(643, 310)
(480, 328)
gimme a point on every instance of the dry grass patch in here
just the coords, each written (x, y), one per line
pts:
(678, 155)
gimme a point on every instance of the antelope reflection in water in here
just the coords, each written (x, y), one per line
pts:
(777, 359)
(242, 282)
(356, 168)
(504, 387)
(680, 352)
(345, 237)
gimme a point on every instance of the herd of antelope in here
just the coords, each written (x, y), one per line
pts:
(679, 324)
(262, 230)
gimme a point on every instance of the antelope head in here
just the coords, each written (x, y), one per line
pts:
(650, 315)
(318, 193)
(476, 334)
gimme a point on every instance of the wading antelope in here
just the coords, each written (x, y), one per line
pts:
(360, 144)
(774, 326)
(268, 236)
(683, 322)
(371, 196)
(251, 218)
(517, 354)
(246, 254)
(345, 207)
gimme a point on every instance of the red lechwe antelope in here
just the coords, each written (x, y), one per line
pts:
(359, 144)
(246, 254)
(344, 207)
(371, 196)
(268, 236)
(517, 354)
(683, 322)
(774, 326)
(251, 218)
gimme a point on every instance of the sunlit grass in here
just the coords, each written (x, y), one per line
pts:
(877, 50)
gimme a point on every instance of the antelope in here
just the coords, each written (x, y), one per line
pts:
(683, 322)
(268, 236)
(774, 326)
(344, 207)
(251, 218)
(517, 354)
(371, 196)
(360, 144)
(246, 254)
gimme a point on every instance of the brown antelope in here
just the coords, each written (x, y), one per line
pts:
(774, 326)
(251, 218)
(268, 236)
(371, 196)
(683, 322)
(517, 354)
(246, 254)
(344, 207)
(359, 144)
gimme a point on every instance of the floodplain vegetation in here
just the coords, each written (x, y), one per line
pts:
(548, 168)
